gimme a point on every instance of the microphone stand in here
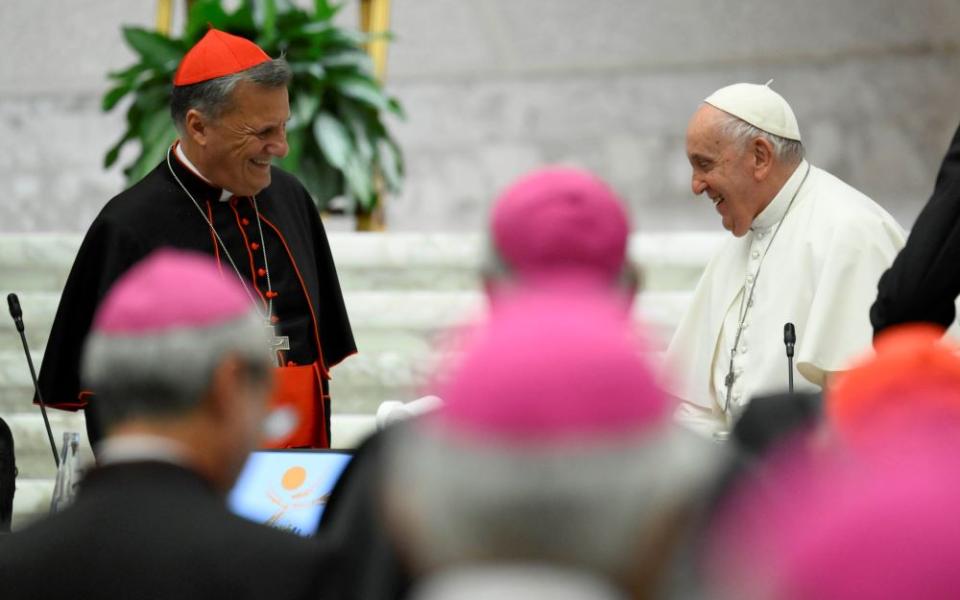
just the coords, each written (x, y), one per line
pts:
(14, 303)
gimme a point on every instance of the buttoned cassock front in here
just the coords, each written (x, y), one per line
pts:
(819, 272)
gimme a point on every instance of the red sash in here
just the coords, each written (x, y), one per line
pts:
(298, 389)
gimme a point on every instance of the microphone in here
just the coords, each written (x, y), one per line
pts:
(14, 304)
(789, 339)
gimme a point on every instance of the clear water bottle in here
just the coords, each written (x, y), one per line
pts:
(68, 474)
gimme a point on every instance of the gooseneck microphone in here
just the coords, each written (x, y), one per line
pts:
(14, 303)
(789, 339)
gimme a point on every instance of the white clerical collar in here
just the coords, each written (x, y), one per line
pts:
(139, 448)
(774, 211)
(178, 150)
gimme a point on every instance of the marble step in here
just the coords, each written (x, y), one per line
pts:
(397, 341)
(373, 314)
(370, 311)
(439, 261)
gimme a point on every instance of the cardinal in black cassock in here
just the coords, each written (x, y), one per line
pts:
(216, 192)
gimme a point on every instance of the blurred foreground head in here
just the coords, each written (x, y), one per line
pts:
(844, 525)
(910, 384)
(559, 223)
(177, 350)
(554, 446)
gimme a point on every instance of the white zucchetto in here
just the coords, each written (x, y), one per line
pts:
(758, 105)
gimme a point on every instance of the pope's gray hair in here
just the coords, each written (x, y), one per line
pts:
(740, 132)
(214, 97)
(166, 374)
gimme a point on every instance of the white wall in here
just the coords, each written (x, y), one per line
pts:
(496, 87)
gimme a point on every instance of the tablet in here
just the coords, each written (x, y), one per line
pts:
(287, 489)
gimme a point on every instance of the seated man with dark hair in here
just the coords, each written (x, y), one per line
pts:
(182, 386)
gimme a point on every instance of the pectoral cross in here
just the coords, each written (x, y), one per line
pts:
(277, 343)
(729, 379)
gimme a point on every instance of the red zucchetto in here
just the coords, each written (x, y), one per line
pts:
(217, 54)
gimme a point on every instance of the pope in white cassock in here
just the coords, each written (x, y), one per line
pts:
(807, 249)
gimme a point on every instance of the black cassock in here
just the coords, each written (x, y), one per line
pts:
(156, 213)
(924, 280)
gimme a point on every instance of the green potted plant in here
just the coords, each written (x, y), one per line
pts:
(339, 143)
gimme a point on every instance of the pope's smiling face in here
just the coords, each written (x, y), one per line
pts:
(723, 169)
(239, 146)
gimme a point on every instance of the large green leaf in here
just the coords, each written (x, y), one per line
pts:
(322, 181)
(312, 69)
(348, 57)
(203, 14)
(333, 138)
(129, 74)
(296, 139)
(290, 20)
(328, 33)
(323, 10)
(154, 48)
(154, 147)
(114, 152)
(155, 99)
(265, 18)
(241, 22)
(336, 135)
(359, 176)
(303, 107)
(128, 80)
(394, 106)
(390, 161)
(356, 120)
(113, 96)
(363, 89)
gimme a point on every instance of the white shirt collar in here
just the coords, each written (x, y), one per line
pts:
(225, 194)
(138, 448)
(774, 211)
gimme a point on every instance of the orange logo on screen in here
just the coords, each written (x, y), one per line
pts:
(295, 494)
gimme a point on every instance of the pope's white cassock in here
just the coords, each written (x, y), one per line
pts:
(819, 272)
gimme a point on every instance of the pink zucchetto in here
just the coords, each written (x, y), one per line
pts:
(560, 220)
(553, 368)
(551, 405)
(170, 289)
